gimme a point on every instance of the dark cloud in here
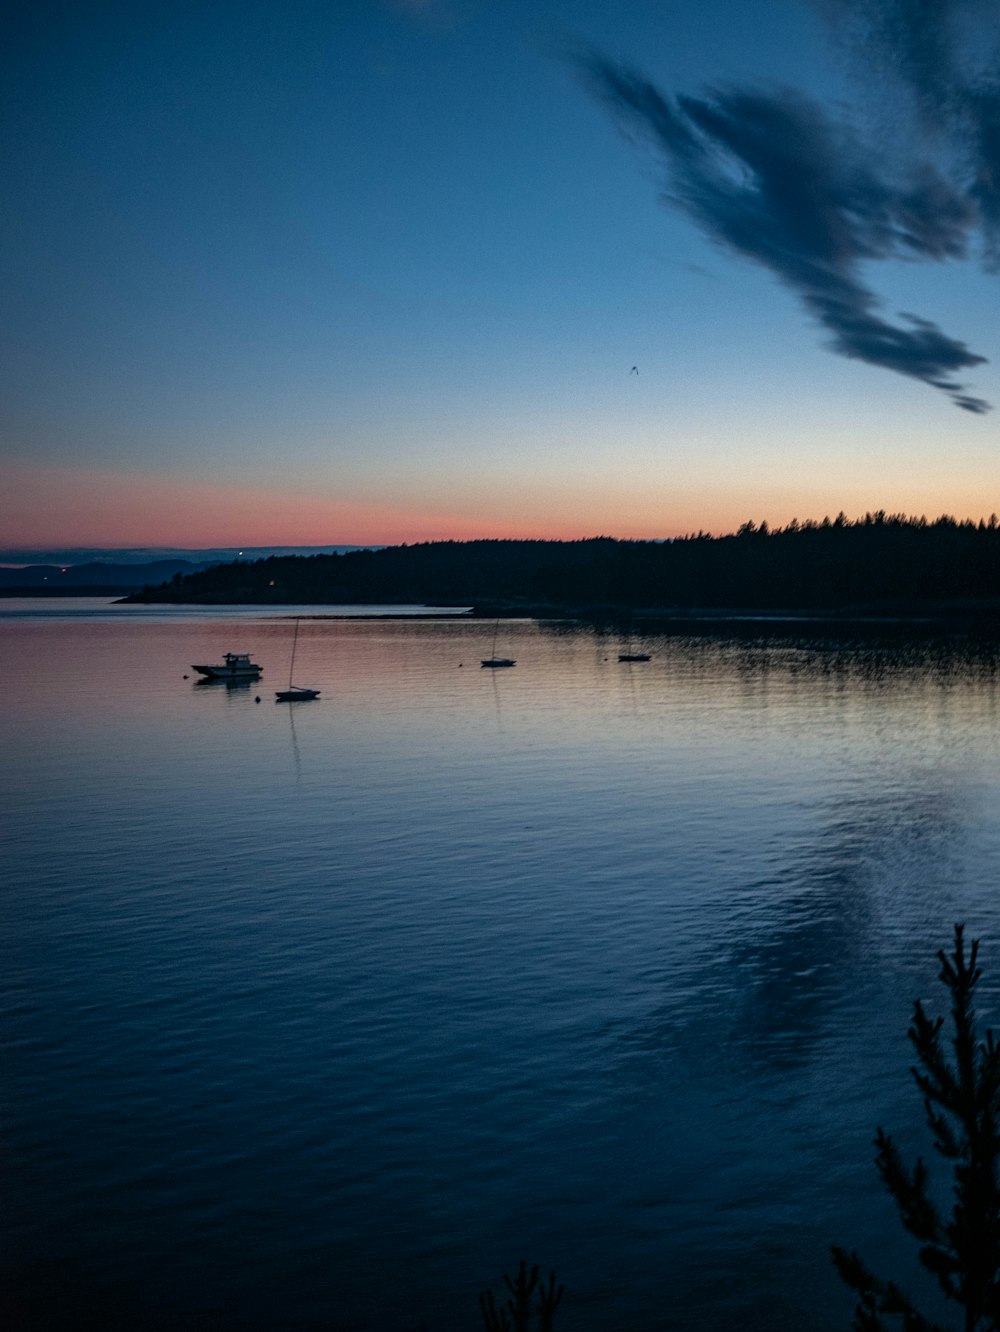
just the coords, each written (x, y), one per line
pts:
(770, 177)
(945, 54)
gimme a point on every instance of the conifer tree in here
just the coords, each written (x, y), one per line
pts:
(962, 1104)
(522, 1311)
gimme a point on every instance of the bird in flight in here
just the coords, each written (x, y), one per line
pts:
(634, 370)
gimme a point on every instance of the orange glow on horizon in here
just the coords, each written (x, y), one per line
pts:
(52, 507)
(68, 507)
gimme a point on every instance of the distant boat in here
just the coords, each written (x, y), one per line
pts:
(237, 666)
(294, 693)
(634, 656)
(493, 660)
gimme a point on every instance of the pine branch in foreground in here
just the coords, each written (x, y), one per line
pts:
(515, 1315)
(961, 1093)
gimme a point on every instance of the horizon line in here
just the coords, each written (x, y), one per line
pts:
(34, 551)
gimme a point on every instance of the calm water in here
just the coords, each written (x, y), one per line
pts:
(325, 1015)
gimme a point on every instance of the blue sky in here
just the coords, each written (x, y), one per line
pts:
(311, 273)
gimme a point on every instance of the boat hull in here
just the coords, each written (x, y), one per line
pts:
(496, 662)
(228, 672)
(295, 695)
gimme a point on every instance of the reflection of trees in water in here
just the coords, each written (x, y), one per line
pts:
(797, 667)
(850, 644)
(873, 653)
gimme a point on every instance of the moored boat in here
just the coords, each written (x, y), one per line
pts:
(294, 693)
(493, 660)
(236, 666)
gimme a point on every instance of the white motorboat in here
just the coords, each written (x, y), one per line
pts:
(236, 666)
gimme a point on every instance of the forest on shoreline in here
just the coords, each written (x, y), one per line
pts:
(877, 565)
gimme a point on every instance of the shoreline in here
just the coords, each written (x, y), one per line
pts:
(980, 617)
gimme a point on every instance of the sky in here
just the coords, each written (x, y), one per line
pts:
(374, 271)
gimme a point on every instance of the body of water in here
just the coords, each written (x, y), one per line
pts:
(324, 1015)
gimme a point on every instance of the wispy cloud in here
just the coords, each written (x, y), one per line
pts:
(945, 54)
(772, 177)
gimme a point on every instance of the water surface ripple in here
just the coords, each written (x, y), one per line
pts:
(326, 1015)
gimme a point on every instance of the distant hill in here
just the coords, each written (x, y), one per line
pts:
(879, 564)
(199, 556)
(71, 577)
(75, 572)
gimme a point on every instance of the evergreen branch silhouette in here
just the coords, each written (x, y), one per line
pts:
(516, 1313)
(962, 1108)
(877, 1297)
(909, 1188)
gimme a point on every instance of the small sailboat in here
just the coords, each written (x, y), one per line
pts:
(629, 654)
(493, 660)
(294, 693)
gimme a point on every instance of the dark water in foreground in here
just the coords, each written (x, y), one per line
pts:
(325, 1016)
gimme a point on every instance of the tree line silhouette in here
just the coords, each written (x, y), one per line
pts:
(882, 561)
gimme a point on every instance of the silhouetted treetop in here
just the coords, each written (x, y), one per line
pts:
(878, 562)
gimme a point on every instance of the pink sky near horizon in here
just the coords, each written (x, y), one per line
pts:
(45, 507)
(347, 275)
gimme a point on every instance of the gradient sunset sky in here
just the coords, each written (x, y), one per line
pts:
(372, 271)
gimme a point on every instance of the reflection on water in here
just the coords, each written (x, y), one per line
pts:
(326, 1019)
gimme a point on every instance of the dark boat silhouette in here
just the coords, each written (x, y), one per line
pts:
(294, 693)
(236, 666)
(493, 660)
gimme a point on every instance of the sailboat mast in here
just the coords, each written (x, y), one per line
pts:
(294, 693)
(295, 643)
